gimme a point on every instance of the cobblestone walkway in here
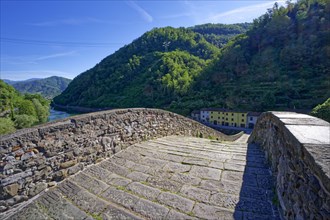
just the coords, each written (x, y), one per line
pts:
(167, 178)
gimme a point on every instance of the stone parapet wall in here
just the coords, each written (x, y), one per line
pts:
(34, 159)
(298, 149)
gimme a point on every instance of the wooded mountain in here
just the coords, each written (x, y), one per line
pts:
(146, 72)
(47, 87)
(281, 62)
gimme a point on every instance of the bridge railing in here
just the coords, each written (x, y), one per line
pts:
(298, 149)
(36, 158)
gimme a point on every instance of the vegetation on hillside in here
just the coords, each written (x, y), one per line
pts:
(322, 111)
(48, 87)
(152, 71)
(282, 62)
(220, 34)
(20, 111)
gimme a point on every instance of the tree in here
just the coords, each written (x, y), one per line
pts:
(42, 111)
(6, 126)
(26, 107)
(24, 121)
(322, 110)
(268, 101)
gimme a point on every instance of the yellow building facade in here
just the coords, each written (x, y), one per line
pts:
(226, 117)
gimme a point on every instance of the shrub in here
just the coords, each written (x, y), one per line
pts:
(24, 121)
(6, 126)
(322, 110)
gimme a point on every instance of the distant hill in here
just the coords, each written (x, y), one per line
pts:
(12, 82)
(281, 62)
(47, 87)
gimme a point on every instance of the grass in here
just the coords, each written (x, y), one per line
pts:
(96, 216)
(191, 214)
(213, 138)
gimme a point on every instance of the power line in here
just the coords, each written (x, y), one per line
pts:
(63, 43)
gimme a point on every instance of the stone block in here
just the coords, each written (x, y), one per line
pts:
(138, 176)
(196, 161)
(150, 209)
(93, 185)
(195, 193)
(212, 212)
(186, 179)
(205, 172)
(11, 189)
(120, 197)
(179, 216)
(165, 184)
(223, 200)
(144, 190)
(39, 187)
(114, 213)
(176, 201)
(75, 169)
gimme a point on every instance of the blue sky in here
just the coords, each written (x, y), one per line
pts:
(65, 38)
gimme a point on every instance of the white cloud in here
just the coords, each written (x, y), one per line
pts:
(28, 74)
(243, 14)
(143, 13)
(56, 55)
(16, 60)
(173, 16)
(33, 59)
(67, 21)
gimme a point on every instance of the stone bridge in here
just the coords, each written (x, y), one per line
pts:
(153, 164)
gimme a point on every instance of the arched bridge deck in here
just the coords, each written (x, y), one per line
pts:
(159, 167)
(174, 177)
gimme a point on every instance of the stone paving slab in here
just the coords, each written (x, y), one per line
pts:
(168, 178)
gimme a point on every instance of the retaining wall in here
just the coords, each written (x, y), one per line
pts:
(34, 159)
(298, 148)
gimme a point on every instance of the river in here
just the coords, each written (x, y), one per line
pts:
(55, 115)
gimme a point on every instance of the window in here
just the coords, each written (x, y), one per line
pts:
(211, 116)
(226, 119)
(232, 119)
(251, 118)
(243, 120)
(218, 117)
(226, 113)
(232, 114)
(223, 118)
(243, 115)
(211, 112)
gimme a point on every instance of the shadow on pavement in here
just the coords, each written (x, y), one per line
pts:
(257, 199)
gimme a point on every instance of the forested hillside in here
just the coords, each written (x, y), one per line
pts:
(48, 87)
(20, 111)
(281, 62)
(220, 34)
(152, 71)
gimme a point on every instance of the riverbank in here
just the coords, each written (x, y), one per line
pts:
(76, 109)
(55, 115)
